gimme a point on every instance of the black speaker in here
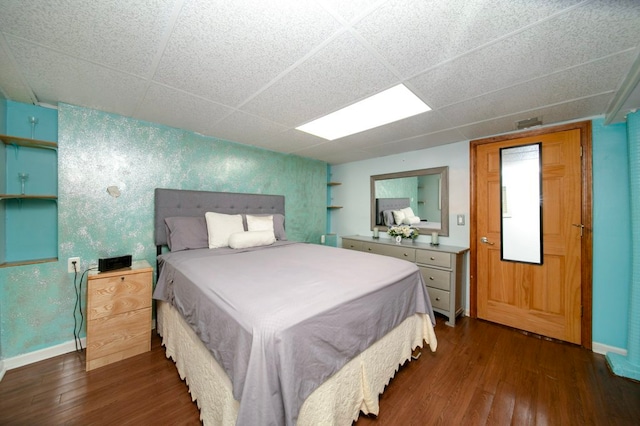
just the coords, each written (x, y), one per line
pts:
(111, 263)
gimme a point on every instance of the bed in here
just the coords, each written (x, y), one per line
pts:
(285, 332)
(385, 207)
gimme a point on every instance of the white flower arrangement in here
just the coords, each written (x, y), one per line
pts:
(403, 231)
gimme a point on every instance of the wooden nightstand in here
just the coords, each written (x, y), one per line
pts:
(118, 314)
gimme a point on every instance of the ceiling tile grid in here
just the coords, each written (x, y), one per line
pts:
(250, 71)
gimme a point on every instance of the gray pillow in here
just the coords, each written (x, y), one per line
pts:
(185, 233)
(388, 218)
(278, 225)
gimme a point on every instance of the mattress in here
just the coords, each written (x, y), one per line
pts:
(353, 389)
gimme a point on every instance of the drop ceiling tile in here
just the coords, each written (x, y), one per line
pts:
(56, 77)
(331, 152)
(226, 51)
(417, 143)
(320, 85)
(11, 84)
(121, 34)
(565, 41)
(436, 31)
(352, 10)
(174, 108)
(591, 79)
(579, 109)
(249, 129)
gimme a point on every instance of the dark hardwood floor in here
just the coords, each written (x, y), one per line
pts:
(481, 374)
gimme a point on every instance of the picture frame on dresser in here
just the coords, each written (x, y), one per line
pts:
(443, 268)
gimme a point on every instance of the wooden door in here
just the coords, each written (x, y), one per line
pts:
(545, 299)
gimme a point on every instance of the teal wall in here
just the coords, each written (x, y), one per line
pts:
(97, 150)
(611, 234)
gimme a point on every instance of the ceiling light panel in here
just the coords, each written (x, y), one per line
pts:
(385, 107)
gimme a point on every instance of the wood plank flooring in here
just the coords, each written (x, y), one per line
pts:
(481, 374)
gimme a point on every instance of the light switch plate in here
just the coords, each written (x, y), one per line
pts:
(460, 219)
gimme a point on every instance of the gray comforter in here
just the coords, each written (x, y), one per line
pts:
(282, 319)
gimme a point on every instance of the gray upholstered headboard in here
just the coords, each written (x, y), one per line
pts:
(179, 202)
(383, 204)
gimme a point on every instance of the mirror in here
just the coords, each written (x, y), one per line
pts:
(425, 191)
(521, 204)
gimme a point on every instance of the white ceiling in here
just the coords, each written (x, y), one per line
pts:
(250, 71)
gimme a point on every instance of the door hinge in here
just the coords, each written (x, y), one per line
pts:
(581, 311)
(581, 151)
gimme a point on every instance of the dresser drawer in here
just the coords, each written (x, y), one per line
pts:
(439, 298)
(436, 278)
(352, 244)
(400, 252)
(117, 294)
(433, 258)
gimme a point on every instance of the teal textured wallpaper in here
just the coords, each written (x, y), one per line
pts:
(97, 150)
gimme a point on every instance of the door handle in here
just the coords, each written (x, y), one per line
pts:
(485, 240)
(579, 225)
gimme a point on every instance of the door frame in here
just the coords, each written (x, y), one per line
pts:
(587, 219)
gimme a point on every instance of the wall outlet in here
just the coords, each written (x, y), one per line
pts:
(70, 267)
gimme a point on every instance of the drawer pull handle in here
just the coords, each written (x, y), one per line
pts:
(432, 258)
(405, 254)
(369, 248)
(122, 278)
(431, 278)
(437, 299)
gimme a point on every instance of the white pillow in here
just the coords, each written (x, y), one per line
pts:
(407, 212)
(411, 220)
(398, 217)
(241, 240)
(259, 223)
(221, 226)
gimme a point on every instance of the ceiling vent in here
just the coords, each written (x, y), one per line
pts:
(529, 122)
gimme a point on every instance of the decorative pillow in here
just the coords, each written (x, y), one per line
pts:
(411, 220)
(398, 216)
(278, 225)
(240, 240)
(221, 226)
(409, 217)
(388, 218)
(185, 233)
(407, 212)
(259, 223)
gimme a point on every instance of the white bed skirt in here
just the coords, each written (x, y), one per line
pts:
(338, 401)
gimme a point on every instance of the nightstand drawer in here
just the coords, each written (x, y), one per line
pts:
(436, 278)
(439, 298)
(400, 252)
(118, 333)
(433, 258)
(116, 294)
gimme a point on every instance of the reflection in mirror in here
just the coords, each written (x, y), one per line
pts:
(521, 203)
(424, 192)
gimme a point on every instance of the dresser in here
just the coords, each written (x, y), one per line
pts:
(442, 267)
(118, 314)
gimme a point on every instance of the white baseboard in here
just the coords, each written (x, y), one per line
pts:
(602, 349)
(41, 355)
